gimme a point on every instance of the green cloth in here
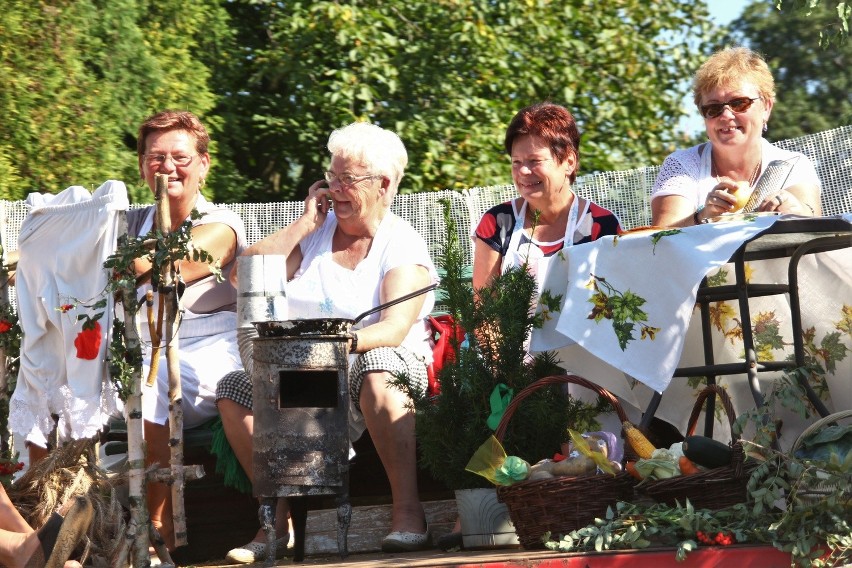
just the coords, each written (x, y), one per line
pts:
(227, 464)
(501, 396)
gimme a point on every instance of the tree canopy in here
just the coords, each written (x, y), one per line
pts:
(814, 86)
(448, 76)
(271, 80)
(832, 31)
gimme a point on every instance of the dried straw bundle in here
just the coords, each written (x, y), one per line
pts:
(68, 471)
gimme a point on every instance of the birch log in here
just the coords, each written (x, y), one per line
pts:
(168, 287)
(137, 533)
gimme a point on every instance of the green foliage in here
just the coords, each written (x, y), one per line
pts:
(447, 76)
(452, 425)
(813, 85)
(834, 31)
(797, 505)
(79, 77)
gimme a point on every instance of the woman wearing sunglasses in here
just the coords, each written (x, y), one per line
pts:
(735, 92)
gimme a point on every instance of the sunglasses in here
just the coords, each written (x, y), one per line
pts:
(738, 105)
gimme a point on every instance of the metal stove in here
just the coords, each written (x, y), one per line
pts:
(301, 430)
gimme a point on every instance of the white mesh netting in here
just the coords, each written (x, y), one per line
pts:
(626, 193)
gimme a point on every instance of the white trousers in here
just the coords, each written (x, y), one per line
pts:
(63, 244)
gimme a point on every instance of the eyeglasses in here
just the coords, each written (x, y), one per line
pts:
(157, 160)
(738, 105)
(530, 164)
(347, 180)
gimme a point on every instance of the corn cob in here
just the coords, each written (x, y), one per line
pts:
(637, 441)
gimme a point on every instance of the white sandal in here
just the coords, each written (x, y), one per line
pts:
(256, 551)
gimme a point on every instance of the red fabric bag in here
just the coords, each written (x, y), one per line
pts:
(444, 327)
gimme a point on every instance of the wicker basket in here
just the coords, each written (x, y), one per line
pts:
(561, 504)
(712, 489)
(819, 490)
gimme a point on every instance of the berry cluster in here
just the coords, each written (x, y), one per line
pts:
(9, 467)
(720, 538)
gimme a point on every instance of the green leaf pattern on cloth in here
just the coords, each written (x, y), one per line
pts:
(622, 308)
(821, 354)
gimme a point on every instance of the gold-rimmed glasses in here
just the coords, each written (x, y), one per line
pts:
(179, 160)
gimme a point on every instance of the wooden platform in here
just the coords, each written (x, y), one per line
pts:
(220, 518)
(705, 557)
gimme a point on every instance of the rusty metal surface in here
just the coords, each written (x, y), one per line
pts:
(300, 327)
(301, 409)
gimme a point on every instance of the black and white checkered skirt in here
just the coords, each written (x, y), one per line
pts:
(398, 361)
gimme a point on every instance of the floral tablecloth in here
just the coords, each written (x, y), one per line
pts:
(627, 321)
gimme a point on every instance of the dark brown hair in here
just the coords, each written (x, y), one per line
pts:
(553, 124)
(173, 120)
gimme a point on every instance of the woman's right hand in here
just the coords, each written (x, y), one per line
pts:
(720, 199)
(317, 204)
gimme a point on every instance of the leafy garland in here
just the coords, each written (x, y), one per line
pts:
(158, 248)
(10, 344)
(161, 250)
(780, 510)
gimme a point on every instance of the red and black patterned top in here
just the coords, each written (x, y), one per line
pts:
(495, 228)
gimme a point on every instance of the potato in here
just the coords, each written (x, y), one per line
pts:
(575, 466)
(540, 474)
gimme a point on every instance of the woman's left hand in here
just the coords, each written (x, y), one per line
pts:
(784, 202)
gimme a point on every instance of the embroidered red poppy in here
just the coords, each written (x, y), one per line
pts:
(88, 341)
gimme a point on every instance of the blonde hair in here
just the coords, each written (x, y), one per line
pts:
(731, 66)
(380, 150)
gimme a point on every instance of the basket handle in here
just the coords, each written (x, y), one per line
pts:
(554, 380)
(724, 397)
(836, 417)
(738, 459)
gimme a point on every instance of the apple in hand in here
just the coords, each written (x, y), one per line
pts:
(742, 192)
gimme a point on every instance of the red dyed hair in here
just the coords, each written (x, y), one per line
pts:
(552, 123)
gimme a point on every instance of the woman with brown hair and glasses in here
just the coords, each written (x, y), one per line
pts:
(735, 92)
(175, 143)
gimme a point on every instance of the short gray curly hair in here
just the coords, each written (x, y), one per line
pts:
(378, 149)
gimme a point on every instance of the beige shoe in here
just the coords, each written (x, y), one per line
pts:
(256, 551)
(60, 535)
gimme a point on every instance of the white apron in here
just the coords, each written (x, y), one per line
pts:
(538, 264)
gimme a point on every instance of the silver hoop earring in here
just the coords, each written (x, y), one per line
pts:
(765, 127)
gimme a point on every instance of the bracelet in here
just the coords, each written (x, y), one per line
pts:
(354, 346)
(695, 216)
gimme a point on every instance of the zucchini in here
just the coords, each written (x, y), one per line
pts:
(706, 451)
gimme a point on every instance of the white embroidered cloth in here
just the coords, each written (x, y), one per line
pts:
(648, 281)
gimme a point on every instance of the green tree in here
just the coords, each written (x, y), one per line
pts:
(448, 75)
(834, 30)
(813, 85)
(80, 75)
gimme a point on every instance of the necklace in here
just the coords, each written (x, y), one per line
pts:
(714, 168)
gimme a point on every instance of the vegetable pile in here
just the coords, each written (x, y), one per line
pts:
(694, 455)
